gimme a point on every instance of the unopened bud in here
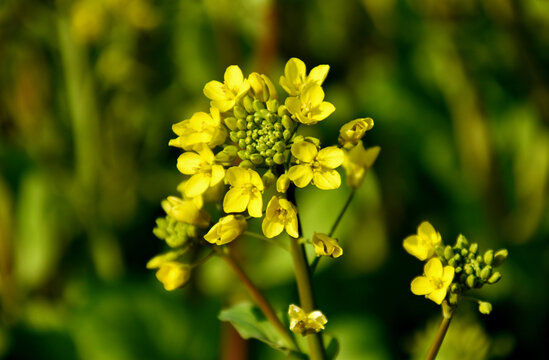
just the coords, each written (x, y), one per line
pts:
(486, 272)
(484, 307)
(471, 281)
(500, 256)
(448, 252)
(248, 104)
(272, 105)
(231, 123)
(268, 178)
(246, 164)
(473, 248)
(489, 257)
(239, 112)
(494, 278)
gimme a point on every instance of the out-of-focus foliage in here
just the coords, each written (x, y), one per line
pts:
(89, 89)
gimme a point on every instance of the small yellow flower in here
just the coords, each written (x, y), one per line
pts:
(158, 260)
(226, 230)
(306, 323)
(295, 76)
(435, 282)
(201, 128)
(173, 274)
(357, 162)
(224, 96)
(316, 166)
(262, 87)
(326, 246)
(280, 214)
(186, 210)
(201, 165)
(309, 107)
(245, 192)
(351, 133)
(423, 244)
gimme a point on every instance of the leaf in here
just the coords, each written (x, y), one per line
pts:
(248, 320)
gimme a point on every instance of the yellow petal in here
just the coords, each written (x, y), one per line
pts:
(312, 94)
(271, 227)
(293, 104)
(214, 91)
(301, 175)
(412, 245)
(236, 200)
(197, 185)
(433, 268)
(428, 232)
(304, 151)
(218, 173)
(292, 227)
(295, 70)
(326, 180)
(189, 163)
(448, 275)
(237, 176)
(323, 110)
(224, 105)
(233, 78)
(438, 295)
(282, 183)
(330, 157)
(255, 206)
(318, 74)
(421, 286)
(255, 180)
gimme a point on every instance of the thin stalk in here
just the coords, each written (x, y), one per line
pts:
(443, 328)
(334, 226)
(261, 301)
(304, 287)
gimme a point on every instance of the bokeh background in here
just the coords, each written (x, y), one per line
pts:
(458, 89)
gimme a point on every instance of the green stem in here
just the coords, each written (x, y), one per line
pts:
(304, 286)
(334, 226)
(261, 301)
(443, 328)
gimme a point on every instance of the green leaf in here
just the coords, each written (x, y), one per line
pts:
(248, 320)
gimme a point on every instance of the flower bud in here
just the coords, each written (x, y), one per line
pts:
(471, 281)
(494, 278)
(248, 104)
(473, 248)
(256, 159)
(486, 272)
(226, 230)
(489, 257)
(499, 257)
(484, 307)
(239, 112)
(268, 178)
(230, 122)
(258, 105)
(246, 164)
(461, 242)
(448, 252)
(272, 105)
(468, 269)
(279, 158)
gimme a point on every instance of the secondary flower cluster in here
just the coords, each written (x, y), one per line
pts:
(452, 270)
(247, 146)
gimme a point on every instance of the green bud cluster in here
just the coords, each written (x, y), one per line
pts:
(174, 232)
(472, 268)
(261, 131)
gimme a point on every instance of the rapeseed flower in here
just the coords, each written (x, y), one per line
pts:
(357, 161)
(226, 230)
(201, 128)
(245, 192)
(280, 215)
(225, 95)
(353, 131)
(305, 323)
(186, 211)
(309, 107)
(435, 281)
(295, 76)
(201, 164)
(422, 245)
(326, 246)
(316, 166)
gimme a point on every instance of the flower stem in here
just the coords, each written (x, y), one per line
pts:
(443, 328)
(261, 301)
(334, 226)
(304, 287)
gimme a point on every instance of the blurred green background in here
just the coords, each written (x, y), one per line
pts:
(458, 89)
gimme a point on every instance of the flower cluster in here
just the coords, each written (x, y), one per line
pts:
(452, 270)
(249, 145)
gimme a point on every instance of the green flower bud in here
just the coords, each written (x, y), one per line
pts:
(473, 248)
(489, 257)
(270, 152)
(250, 148)
(239, 112)
(268, 178)
(486, 272)
(278, 127)
(233, 136)
(453, 298)
(286, 134)
(272, 105)
(243, 154)
(256, 159)
(250, 118)
(261, 146)
(462, 242)
(258, 105)
(241, 134)
(479, 259)
(468, 268)
(283, 111)
(494, 278)
(499, 257)
(246, 164)
(471, 281)
(230, 122)
(457, 257)
(264, 113)
(458, 269)
(241, 124)
(454, 288)
(448, 252)
(279, 158)
(464, 252)
(227, 155)
(484, 307)
(452, 262)
(248, 104)
(287, 122)
(279, 147)
(269, 161)
(242, 143)
(250, 125)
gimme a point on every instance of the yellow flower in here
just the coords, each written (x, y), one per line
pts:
(357, 162)
(316, 166)
(201, 165)
(282, 183)
(306, 323)
(295, 76)
(226, 230)
(351, 133)
(423, 244)
(245, 192)
(186, 210)
(309, 107)
(201, 128)
(262, 87)
(326, 246)
(435, 282)
(224, 96)
(280, 214)
(173, 275)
